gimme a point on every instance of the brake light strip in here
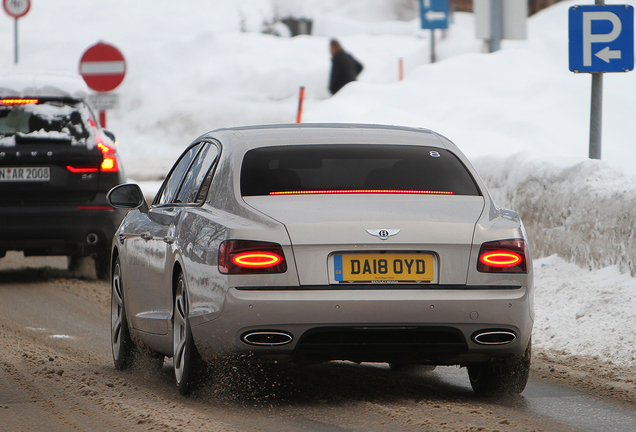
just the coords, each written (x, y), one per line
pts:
(77, 170)
(363, 191)
(18, 101)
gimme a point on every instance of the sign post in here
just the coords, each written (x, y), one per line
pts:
(601, 39)
(497, 20)
(434, 15)
(103, 68)
(16, 9)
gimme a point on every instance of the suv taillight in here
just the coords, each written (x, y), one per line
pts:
(246, 256)
(503, 256)
(109, 163)
(18, 101)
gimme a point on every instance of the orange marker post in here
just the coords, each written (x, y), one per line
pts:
(401, 68)
(300, 104)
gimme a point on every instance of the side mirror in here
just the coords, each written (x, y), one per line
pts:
(109, 134)
(127, 196)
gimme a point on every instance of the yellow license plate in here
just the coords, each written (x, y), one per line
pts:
(391, 267)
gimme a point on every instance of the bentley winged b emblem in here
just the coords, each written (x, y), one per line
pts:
(383, 234)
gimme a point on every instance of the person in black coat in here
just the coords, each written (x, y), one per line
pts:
(344, 67)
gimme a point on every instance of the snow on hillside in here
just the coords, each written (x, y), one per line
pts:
(519, 114)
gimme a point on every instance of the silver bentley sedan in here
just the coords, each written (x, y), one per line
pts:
(319, 242)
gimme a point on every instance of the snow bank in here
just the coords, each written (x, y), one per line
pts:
(581, 210)
(580, 219)
(585, 313)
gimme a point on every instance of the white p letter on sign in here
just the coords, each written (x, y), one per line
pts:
(589, 38)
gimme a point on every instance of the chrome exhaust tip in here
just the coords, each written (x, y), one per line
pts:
(494, 337)
(92, 239)
(266, 338)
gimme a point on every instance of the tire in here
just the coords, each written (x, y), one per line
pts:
(122, 346)
(82, 266)
(187, 362)
(74, 262)
(102, 264)
(411, 368)
(501, 378)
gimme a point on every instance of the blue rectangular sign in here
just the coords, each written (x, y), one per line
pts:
(601, 38)
(434, 14)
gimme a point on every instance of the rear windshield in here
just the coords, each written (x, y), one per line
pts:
(52, 120)
(354, 169)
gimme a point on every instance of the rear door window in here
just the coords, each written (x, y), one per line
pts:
(354, 169)
(200, 168)
(168, 192)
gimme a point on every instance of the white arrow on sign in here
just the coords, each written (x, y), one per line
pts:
(589, 38)
(607, 54)
(435, 16)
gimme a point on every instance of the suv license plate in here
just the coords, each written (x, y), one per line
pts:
(387, 267)
(25, 174)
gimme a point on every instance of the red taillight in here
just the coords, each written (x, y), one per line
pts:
(18, 101)
(106, 149)
(501, 258)
(245, 256)
(80, 170)
(505, 256)
(257, 259)
(109, 163)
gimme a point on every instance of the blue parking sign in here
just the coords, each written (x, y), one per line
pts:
(601, 38)
(434, 14)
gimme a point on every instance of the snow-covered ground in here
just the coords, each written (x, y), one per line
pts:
(519, 114)
(585, 312)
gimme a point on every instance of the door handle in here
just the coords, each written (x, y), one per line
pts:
(169, 239)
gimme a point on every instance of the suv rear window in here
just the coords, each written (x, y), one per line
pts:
(354, 168)
(49, 119)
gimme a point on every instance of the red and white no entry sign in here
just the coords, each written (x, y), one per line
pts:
(16, 8)
(103, 67)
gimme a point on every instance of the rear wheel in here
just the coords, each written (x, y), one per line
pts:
(411, 368)
(123, 348)
(187, 362)
(102, 264)
(78, 264)
(501, 378)
(82, 266)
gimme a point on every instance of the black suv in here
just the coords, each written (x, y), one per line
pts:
(56, 166)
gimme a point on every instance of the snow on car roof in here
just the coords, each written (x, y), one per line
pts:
(42, 84)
